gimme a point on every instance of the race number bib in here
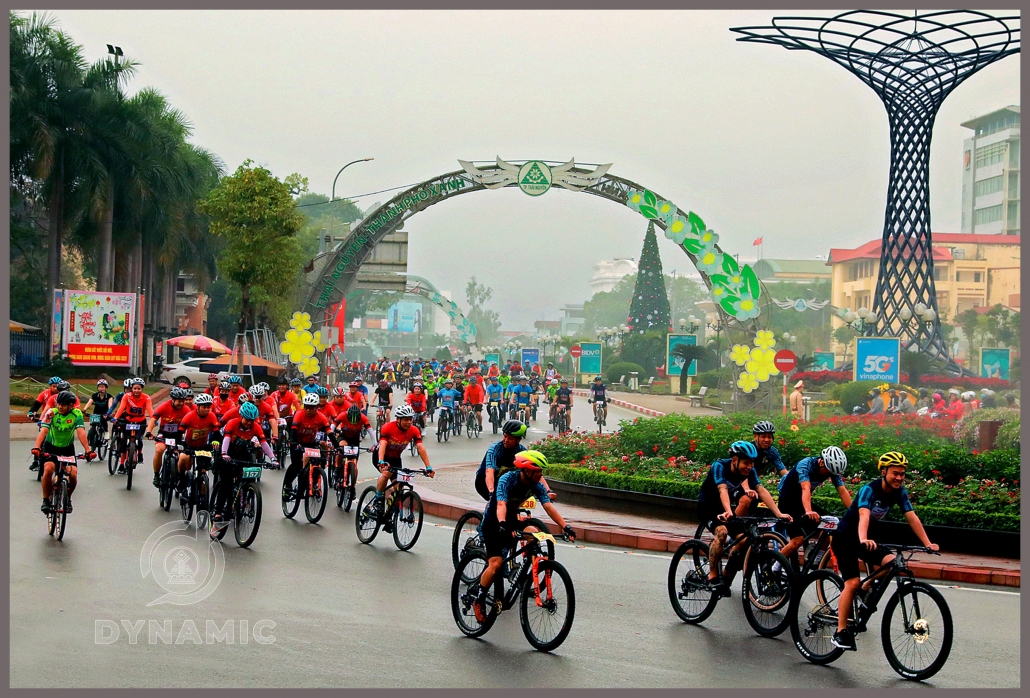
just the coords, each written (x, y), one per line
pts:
(169, 442)
(829, 523)
(170, 428)
(351, 450)
(404, 477)
(67, 459)
(313, 452)
(132, 427)
(95, 419)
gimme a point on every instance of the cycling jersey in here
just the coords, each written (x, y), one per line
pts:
(62, 428)
(351, 433)
(499, 459)
(100, 402)
(807, 470)
(264, 412)
(397, 440)
(286, 403)
(220, 406)
(874, 498)
(474, 394)
(383, 395)
(521, 394)
(512, 492)
(598, 392)
(135, 409)
(769, 457)
(722, 474)
(417, 402)
(495, 393)
(305, 427)
(235, 430)
(310, 388)
(505, 381)
(448, 396)
(550, 373)
(197, 430)
(51, 403)
(170, 417)
(551, 392)
(356, 397)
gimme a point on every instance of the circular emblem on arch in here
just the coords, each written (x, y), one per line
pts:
(535, 178)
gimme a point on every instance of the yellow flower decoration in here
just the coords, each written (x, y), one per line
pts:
(308, 367)
(739, 354)
(747, 382)
(317, 341)
(795, 427)
(765, 339)
(766, 358)
(300, 321)
(297, 345)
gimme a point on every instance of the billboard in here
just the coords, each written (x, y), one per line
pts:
(56, 326)
(994, 363)
(530, 355)
(98, 327)
(590, 361)
(823, 361)
(493, 359)
(401, 316)
(674, 364)
(878, 359)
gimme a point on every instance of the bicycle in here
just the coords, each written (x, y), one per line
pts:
(816, 551)
(548, 598)
(402, 513)
(57, 517)
(282, 446)
(344, 477)
(561, 420)
(97, 436)
(766, 590)
(921, 633)
(129, 443)
(245, 504)
(494, 412)
(459, 419)
(381, 420)
(472, 427)
(443, 429)
(168, 474)
(600, 415)
(313, 493)
(522, 413)
(466, 540)
(195, 493)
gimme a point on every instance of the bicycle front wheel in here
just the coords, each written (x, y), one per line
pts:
(130, 463)
(916, 631)
(465, 591)
(466, 536)
(247, 515)
(186, 501)
(689, 591)
(548, 605)
(112, 461)
(813, 616)
(407, 523)
(290, 505)
(365, 523)
(766, 593)
(314, 504)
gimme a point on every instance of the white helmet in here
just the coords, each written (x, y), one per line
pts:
(403, 412)
(835, 460)
(311, 399)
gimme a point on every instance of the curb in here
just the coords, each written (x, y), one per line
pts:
(447, 507)
(623, 403)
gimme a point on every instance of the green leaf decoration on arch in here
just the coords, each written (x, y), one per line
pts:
(750, 280)
(729, 264)
(696, 224)
(650, 199)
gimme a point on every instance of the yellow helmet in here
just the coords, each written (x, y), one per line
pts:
(892, 458)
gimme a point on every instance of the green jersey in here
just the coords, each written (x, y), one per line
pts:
(61, 428)
(551, 390)
(504, 381)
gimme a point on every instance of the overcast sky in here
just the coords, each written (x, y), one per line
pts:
(757, 140)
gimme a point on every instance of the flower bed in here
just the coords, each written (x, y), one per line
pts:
(935, 382)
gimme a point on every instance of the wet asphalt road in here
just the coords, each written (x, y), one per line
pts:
(323, 610)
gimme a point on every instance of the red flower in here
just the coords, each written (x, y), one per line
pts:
(675, 439)
(640, 453)
(709, 427)
(656, 448)
(604, 468)
(625, 459)
(846, 444)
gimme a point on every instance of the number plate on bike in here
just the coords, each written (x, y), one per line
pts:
(351, 450)
(528, 504)
(132, 427)
(171, 428)
(95, 419)
(252, 473)
(543, 536)
(829, 523)
(404, 477)
(67, 459)
(202, 454)
(313, 452)
(282, 422)
(766, 524)
(169, 442)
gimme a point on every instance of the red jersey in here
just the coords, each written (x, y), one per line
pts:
(44, 396)
(220, 406)
(351, 431)
(397, 440)
(333, 410)
(235, 391)
(355, 397)
(493, 371)
(286, 403)
(170, 417)
(475, 394)
(417, 402)
(197, 430)
(51, 402)
(264, 412)
(211, 391)
(305, 427)
(135, 409)
(235, 429)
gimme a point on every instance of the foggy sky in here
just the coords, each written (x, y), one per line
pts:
(757, 140)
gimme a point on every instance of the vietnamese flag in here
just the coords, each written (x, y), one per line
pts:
(757, 242)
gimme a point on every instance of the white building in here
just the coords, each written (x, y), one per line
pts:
(990, 175)
(609, 272)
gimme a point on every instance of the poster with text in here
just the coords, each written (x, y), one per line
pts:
(493, 359)
(98, 327)
(530, 357)
(877, 359)
(590, 360)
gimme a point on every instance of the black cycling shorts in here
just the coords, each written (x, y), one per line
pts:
(493, 541)
(849, 551)
(51, 450)
(708, 512)
(801, 525)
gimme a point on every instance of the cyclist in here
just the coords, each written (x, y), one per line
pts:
(323, 401)
(269, 411)
(495, 394)
(393, 439)
(337, 405)
(851, 540)
(212, 384)
(51, 402)
(383, 396)
(499, 519)
(448, 396)
(237, 438)
(41, 399)
(520, 395)
(363, 389)
(504, 379)
(727, 491)
(100, 401)
(309, 427)
(767, 454)
(418, 402)
(199, 430)
(796, 492)
(599, 393)
(312, 386)
(136, 408)
(297, 390)
(285, 400)
(552, 390)
(474, 396)
(235, 387)
(551, 372)
(350, 425)
(56, 434)
(500, 457)
(223, 401)
(493, 371)
(170, 414)
(355, 396)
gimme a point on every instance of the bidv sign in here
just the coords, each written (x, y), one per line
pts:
(878, 359)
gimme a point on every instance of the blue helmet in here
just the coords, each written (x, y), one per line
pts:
(323, 391)
(54, 380)
(745, 449)
(235, 379)
(249, 410)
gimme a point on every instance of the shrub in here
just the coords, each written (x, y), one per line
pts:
(710, 379)
(968, 431)
(1008, 436)
(623, 368)
(855, 393)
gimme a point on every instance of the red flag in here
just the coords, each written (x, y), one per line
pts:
(757, 242)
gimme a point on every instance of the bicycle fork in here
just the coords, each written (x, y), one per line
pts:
(536, 583)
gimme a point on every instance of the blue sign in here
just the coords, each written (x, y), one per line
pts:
(530, 355)
(493, 359)
(590, 360)
(675, 363)
(994, 363)
(401, 316)
(823, 361)
(878, 359)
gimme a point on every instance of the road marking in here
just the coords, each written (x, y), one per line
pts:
(983, 591)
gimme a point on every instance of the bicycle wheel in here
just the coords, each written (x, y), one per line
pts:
(407, 524)
(766, 593)
(813, 616)
(167, 489)
(348, 494)
(186, 500)
(465, 590)
(201, 499)
(916, 631)
(314, 503)
(290, 505)
(539, 525)
(112, 461)
(365, 525)
(446, 432)
(247, 514)
(441, 427)
(548, 605)
(218, 531)
(466, 536)
(61, 514)
(689, 592)
(130, 463)
(341, 492)
(51, 517)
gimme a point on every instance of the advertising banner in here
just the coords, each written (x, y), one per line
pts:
(675, 364)
(878, 359)
(590, 360)
(401, 316)
(99, 328)
(994, 363)
(823, 361)
(493, 359)
(530, 355)
(56, 325)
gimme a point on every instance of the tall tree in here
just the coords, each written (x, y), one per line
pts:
(487, 321)
(649, 307)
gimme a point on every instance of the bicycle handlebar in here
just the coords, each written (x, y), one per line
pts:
(906, 548)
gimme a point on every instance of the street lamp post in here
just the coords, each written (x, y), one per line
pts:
(714, 322)
(332, 198)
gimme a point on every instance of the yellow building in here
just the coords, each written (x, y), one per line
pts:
(970, 271)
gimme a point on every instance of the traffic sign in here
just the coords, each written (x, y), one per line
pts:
(576, 351)
(785, 360)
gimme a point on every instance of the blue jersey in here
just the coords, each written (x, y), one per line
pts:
(877, 501)
(769, 461)
(499, 458)
(512, 492)
(495, 393)
(722, 474)
(598, 392)
(807, 470)
(311, 388)
(448, 396)
(521, 393)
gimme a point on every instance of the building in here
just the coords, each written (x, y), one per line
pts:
(190, 306)
(970, 271)
(990, 174)
(609, 272)
(806, 271)
(574, 320)
(548, 326)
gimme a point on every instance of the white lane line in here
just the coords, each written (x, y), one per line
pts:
(983, 591)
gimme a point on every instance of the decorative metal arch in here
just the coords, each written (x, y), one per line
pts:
(912, 62)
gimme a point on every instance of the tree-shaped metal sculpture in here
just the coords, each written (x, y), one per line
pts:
(913, 62)
(649, 308)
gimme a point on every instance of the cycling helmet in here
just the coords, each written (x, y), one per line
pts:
(184, 382)
(322, 391)
(54, 380)
(310, 400)
(248, 411)
(338, 391)
(354, 414)
(564, 380)
(532, 463)
(223, 385)
(257, 391)
(383, 384)
(296, 382)
(835, 460)
(244, 397)
(554, 381)
(283, 380)
(514, 427)
(763, 427)
(102, 382)
(598, 378)
(203, 399)
(449, 380)
(235, 379)
(212, 375)
(938, 397)
(66, 397)
(744, 449)
(138, 381)
(181, 393)
(265, 385)
(127, 383)
(403, 412)
(64, 385)
(922, 392)
(892, 458)
(355, 384)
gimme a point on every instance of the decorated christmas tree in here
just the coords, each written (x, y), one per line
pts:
(649, 308)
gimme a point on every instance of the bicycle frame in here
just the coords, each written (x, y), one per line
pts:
(897, 570)
(531, 553)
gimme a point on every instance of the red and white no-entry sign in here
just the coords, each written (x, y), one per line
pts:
(785, 360)
(576, 351)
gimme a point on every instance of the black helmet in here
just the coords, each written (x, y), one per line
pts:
(354, 414)
(64, 385)
(66, 397)
(514, 427)
(283, 380)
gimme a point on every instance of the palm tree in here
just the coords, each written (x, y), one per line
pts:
(805, 363)
(690, 353)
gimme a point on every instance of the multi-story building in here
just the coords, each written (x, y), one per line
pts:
(190, 306)
(609, 272)
(990, 175)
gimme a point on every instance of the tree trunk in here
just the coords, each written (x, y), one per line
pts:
(136, 266)
(105, 261)
(56, 224)
(170, 298)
